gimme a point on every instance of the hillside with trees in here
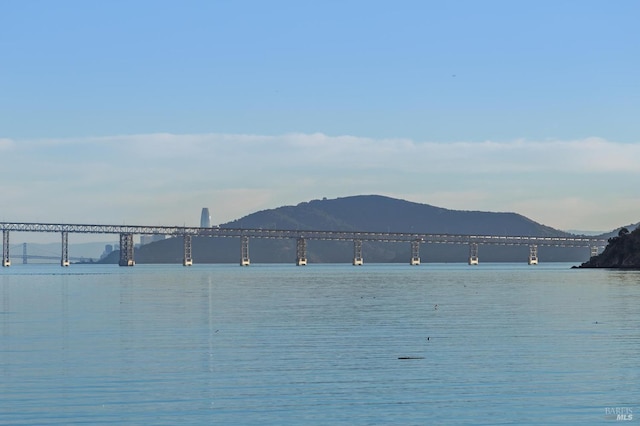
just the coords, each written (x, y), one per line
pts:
(623, 251)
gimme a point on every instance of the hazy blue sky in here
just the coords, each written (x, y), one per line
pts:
(147, 111)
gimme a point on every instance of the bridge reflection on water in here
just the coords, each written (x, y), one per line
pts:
(126, 233)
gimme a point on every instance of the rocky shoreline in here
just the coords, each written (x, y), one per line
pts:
(622, 252)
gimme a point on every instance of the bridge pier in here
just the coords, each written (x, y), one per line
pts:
(126, 250)
(244, 251)
(25, 258)
(187, 259)
(533, 254)
(357, 253)
(64, 261)
(593, 251)
(301, 252)
(473, 254)
(415, 253)
(6, 261)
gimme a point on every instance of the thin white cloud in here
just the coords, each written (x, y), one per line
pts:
(6, 144)
(586, 155)
(167, 178)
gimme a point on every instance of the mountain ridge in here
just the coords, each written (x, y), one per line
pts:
(377, 213)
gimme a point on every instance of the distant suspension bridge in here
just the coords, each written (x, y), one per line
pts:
(126, 233)
(25, 253)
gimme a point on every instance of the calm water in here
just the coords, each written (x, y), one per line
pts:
(316, 345)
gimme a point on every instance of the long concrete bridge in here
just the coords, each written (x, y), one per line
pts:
(127, 232)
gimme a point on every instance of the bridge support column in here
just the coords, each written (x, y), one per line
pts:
(6, 261)
(473, 254)
(415, 253)
(301, 252)
(126, 250)
(533, 254)
(357, 253)
(594, 250)
(188, 259)
(244, 251)
(64, 260)
(25, 258)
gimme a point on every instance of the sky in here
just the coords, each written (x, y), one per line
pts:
(144, 112)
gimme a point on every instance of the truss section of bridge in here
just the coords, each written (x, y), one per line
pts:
(126, 233)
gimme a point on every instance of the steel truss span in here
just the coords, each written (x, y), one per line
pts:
(391, 237)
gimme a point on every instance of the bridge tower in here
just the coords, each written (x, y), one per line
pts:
(6, 261)
(187, 259)
(415, 252)
(594, 251)
(64, 261)
(473, 254)
(533, 254)
(244, 251)
(25, 258)
(357, 253)
(301, 252)
(126, 250)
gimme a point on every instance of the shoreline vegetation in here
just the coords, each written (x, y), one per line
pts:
(622, 252)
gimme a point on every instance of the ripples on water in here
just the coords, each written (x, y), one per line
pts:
(493, 344)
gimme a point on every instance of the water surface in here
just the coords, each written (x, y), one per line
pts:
(315, 345)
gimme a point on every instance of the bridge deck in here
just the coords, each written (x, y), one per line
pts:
(560, 241)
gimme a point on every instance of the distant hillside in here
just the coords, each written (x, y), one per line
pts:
(384, 214)
(631, 227)
(365, 213)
